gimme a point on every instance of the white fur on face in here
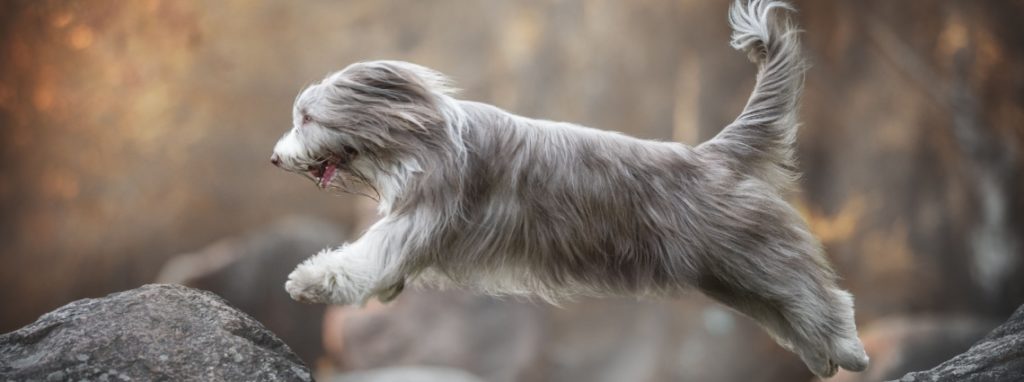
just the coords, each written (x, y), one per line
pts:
(289, 146)
(308, 141)
(304, 144)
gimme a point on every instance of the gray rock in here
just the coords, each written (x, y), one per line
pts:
(997, 357)
(155, 332)
(249, 272)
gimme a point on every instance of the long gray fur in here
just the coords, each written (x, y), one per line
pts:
(473, 196)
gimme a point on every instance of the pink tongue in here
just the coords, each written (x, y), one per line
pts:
(328, 175)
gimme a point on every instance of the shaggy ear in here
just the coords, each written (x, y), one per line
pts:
(397, 81)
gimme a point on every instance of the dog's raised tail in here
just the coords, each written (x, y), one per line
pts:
(761, 139)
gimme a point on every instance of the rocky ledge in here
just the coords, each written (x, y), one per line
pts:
(997, 357)
(155, 332)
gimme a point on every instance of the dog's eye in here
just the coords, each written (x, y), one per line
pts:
(306, 119)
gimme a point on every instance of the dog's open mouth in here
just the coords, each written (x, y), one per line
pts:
(325, 172)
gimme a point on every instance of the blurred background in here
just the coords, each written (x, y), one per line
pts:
(135, 141)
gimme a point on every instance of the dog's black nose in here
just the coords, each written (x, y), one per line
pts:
(275, 160)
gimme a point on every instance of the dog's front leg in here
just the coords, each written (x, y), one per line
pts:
(351, 274)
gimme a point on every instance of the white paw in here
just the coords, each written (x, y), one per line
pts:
(311, 284)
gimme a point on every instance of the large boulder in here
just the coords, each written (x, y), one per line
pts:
(997, 357)
(155, 332)
(249, 272)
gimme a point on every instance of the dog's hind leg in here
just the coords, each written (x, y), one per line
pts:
(804, 312)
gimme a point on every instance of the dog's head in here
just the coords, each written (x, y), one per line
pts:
(367, 120)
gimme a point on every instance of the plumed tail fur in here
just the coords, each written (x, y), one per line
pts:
(761, 139)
